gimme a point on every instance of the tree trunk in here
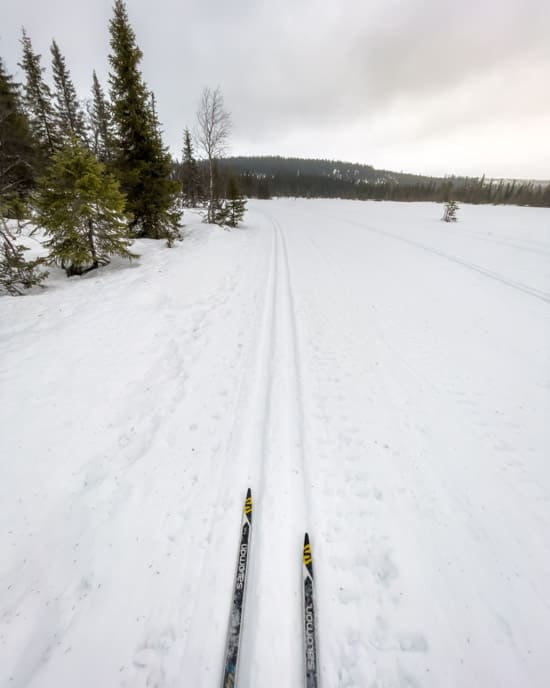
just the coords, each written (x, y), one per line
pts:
(95, 263)
(211, 203)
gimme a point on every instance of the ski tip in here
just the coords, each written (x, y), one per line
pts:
(307, 554)
(248, 503)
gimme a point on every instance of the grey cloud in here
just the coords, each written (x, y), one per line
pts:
(314, 66)
(361, 64)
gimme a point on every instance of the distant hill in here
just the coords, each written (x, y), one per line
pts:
(266, 176)
(336, 169)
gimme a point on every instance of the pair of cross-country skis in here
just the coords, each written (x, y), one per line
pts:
(237, 608)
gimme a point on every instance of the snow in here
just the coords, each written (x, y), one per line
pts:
(377, 377)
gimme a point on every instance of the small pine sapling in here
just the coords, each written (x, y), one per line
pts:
(220, 213)
(449, 214)
(236, 203)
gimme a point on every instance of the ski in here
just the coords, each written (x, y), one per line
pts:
(237, 605)
(310, 631)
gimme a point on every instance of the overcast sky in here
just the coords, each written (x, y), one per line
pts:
(428, 86)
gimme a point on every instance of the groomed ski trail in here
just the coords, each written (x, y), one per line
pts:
(266, 452)
(386, 399)
(242, 468)
(272, 650)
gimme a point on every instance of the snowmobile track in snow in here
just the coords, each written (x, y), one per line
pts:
(519, 286)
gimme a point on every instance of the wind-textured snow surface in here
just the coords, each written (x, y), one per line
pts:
(377, 377)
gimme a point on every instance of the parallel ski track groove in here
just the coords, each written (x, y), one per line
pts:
(295, 412)
(279, 360)
(263, 398)
(257, 407)
(262, 371)
(299, 386)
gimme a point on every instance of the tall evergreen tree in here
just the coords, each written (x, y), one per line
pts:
(263, 190)
(37, 98)
(68, 113)
(101, 123)
(142, 164)
(18, 155)
(17, 171)
(190, 176)
(81, 208)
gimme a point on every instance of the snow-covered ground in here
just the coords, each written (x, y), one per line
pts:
(376, 376)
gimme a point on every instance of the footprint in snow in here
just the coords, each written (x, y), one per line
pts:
(412, 642)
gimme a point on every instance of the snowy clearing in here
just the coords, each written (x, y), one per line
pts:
(376, 376)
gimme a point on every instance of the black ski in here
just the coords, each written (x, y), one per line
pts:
(235, 617)
(310, 630)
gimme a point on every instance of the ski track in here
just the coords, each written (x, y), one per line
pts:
(265, 451)
(526, 289)
(382, 640)
(506, 242)
(362, 389)
(282, 501)
(244, 467)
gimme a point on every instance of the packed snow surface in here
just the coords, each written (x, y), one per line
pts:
(377, 377)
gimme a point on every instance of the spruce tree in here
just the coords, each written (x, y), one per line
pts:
(217, 210)
(101, 123)
(17, 171)
(37, 98)
(264, 191)
(235, 204)
(18, 149)
(161, 196)
(449, 214)
(16, 272)
(82, 210)
(68, 115)
(142, 164)
(190, 177)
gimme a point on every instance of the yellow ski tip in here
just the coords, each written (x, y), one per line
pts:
(248, 502)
